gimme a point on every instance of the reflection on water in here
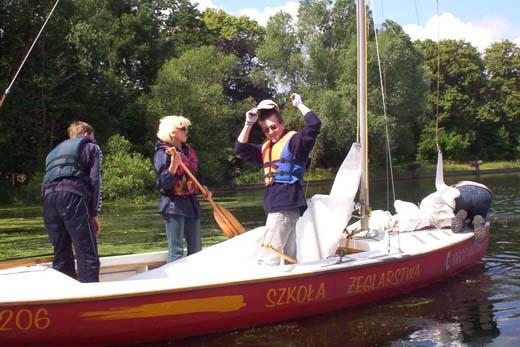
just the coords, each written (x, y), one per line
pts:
(454, 312)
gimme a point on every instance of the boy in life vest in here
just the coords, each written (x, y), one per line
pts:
(283, 156)
(72, 200)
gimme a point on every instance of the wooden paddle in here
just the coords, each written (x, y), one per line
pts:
(226, 221)
(281, 254)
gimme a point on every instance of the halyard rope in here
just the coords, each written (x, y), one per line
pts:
(27, 55)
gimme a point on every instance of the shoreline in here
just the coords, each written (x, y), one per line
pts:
(253, 186)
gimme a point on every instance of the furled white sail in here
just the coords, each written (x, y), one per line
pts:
(318, 231)
(440, 204)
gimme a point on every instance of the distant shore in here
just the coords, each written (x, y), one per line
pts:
(396, 177)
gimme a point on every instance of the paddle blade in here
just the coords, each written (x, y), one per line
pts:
(227, 222)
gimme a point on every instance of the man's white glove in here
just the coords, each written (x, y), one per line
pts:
(296, 99)
(251, 116)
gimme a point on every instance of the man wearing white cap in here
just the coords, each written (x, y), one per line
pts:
(283, 156)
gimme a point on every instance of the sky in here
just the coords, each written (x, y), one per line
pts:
(480, 22)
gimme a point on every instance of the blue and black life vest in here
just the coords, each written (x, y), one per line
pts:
(63, 161)
(280, 165)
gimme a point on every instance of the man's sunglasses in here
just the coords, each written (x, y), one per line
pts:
(272, 127)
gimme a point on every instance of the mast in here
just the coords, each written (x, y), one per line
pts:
(362, 109)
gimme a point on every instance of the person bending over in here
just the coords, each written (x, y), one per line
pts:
(72, 200)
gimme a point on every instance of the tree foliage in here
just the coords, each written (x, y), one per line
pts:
(192, 86)
(122, 64)
(93, 62)
(501, 114)
(280, 54)
(460, 98)
(240, 36)
(126, 173)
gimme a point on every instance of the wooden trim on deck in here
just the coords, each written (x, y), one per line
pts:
(110, 269)
(25, 262)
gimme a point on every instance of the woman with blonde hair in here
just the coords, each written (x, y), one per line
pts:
(179, 205)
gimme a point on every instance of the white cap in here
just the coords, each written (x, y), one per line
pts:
(267, 105)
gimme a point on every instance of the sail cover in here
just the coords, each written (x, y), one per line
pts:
(440, 204)
(319, 229)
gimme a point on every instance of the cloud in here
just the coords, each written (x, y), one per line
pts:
(479, 33)
(262, 17)
(204, 4)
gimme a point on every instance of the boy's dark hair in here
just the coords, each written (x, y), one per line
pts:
(264, 114)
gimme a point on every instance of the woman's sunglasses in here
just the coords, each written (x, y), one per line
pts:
(183, 129)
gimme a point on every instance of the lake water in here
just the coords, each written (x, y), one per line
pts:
(480, 307)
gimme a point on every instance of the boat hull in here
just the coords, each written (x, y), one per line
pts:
(163, 315)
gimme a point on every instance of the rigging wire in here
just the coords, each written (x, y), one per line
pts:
(311, 167)
(366, 201)
(387, 162)
(438, 79)
(416, 12)
(27, 55)
(384, 108)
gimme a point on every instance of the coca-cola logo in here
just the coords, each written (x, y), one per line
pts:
(461, 257)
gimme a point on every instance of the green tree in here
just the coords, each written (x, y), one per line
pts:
(122, 45)
(405, 87)
(405, 83)
(241, 37)
(325, 28)
(192, 86)
(126, 173)
(94, 62)
(501, 116)
(326, 75)
(280, 54)
(35, 113)
(462, 83)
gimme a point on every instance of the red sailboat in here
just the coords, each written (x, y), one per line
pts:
(42, 307)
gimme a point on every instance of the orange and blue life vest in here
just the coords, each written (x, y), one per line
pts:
(280, 165)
